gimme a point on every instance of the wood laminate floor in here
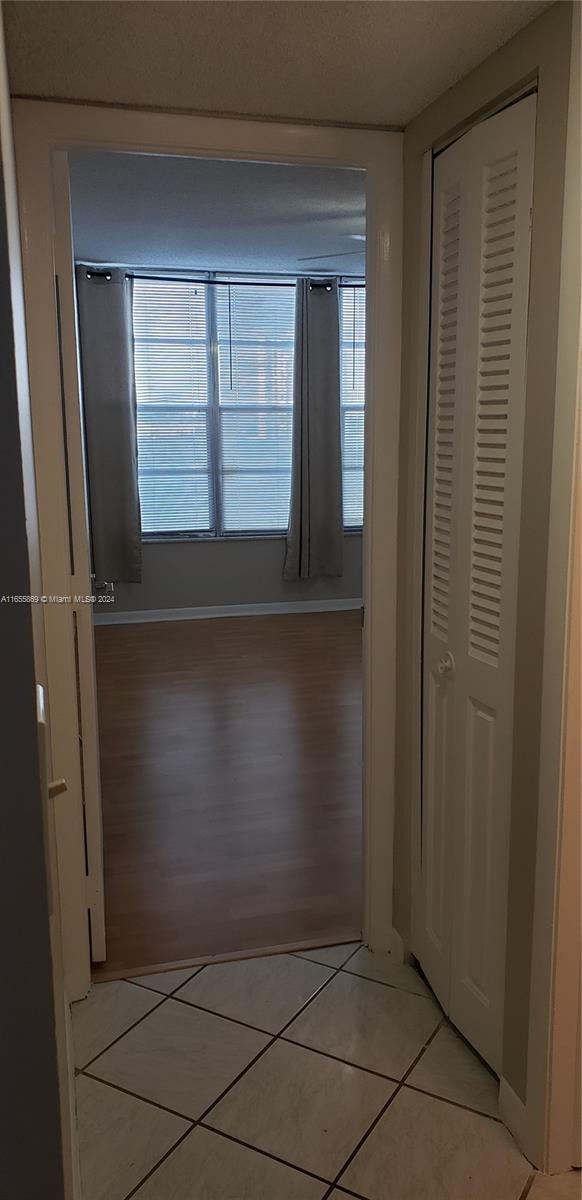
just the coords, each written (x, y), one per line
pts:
(231, 781)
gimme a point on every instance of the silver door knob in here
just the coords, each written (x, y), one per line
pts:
(446, 664)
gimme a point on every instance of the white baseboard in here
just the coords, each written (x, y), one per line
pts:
(107, 615)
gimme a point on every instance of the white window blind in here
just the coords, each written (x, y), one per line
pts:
(214, 386)
(352, 397)
(255, 337)
(171, 352)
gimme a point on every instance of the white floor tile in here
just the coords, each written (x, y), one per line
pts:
(207, 1166)
(384, 969)
(302, 1107)
(180, 1057)
(330, 956)
(426, 1149)
(109, 1009)
(166, 981)
(120, 1139)
(449, 1068)
(557, 1187)
(367, 1024)
(265, 992)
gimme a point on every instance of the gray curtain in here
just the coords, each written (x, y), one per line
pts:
(106, 338)
(315, 537)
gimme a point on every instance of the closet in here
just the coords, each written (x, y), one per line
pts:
(482, 196)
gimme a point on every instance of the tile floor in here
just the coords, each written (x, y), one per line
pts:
(311, 1076)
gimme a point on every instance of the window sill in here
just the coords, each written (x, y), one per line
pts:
(149, 538)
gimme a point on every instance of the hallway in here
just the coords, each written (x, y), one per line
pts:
(328, 1073)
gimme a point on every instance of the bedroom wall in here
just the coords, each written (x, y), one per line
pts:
(225, 571)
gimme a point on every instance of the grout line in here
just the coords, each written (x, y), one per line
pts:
(237, 1078)
(304, 957)
(346, 1062)
(144, 1099)
(359, 946)
(164, 999)
(147, 987)
(233, 1020)
(201, 1120)
(265, 1153)
(396, 987)
(325, 984)
(274, 1037)
(381, 1113)
(347, 1191)
(528, 1186)
(270, 1043)
(412, 1087)
(121, 1035)
(391, 1078)
(159, 1163)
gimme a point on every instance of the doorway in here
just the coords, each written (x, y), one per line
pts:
(228, 680)
(63, 132)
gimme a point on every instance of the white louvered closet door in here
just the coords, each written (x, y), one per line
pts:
(470, 610)
(433, 917)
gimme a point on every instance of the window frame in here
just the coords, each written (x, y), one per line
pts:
(209, 280)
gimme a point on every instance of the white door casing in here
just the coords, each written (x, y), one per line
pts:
(45, 130)
(477, 405)
(81, 579)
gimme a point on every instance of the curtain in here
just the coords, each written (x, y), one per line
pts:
(106, 340)
(315, 536)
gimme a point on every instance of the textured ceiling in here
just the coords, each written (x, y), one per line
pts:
(376, 63)
(145, 210)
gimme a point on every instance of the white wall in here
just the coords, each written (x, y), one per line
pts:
(218, 572)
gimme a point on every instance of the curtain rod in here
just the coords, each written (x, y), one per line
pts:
(264, 278)
(236, 282)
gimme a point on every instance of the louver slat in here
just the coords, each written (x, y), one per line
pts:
(444, 434)
(493, 408)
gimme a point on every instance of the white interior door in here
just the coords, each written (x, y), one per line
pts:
(481, 238)
(442, 540)
(81, 583)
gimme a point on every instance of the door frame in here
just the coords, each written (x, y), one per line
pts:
(537, 1120)
(44, 130)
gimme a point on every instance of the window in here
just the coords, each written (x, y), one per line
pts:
(214, 386)
(352, 395)
(170, 328)
(255, 337)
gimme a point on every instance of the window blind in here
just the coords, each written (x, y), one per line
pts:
(255, 328)
(171, 351)
(214, 388)
(352, 398)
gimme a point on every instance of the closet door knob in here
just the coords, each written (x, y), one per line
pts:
(446, 664)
